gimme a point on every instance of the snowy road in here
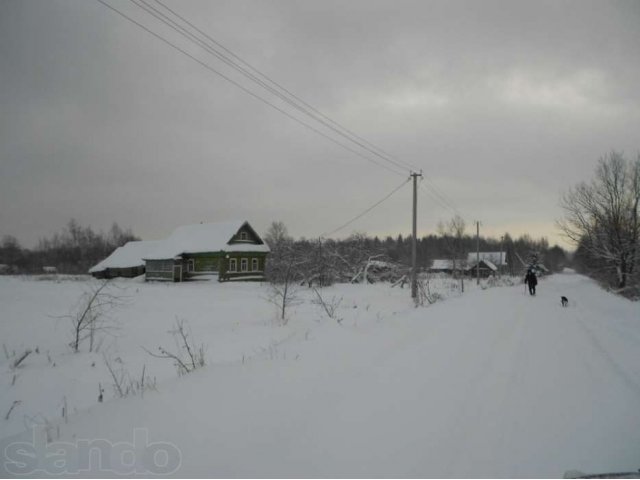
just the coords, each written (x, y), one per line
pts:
(492, 384)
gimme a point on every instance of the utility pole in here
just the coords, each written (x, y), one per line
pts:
(321, 262)
(477, 252)
(414, 246)
(501, 248)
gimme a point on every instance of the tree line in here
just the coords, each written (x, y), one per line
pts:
(73, 250)
(362, 258)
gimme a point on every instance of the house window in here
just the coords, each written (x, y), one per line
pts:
(233, 265)
(190, 265)
(244, 264)
(254, 264)
(243, 235)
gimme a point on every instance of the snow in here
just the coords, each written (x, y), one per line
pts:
(129, 255)
(203, 237)
(492, 383)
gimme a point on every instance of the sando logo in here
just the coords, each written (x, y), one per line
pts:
(98, 455)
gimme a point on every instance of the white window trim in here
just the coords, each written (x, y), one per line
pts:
(244, 236)
(244, 264)
(191, 265)
(255, 265)
(234, 262)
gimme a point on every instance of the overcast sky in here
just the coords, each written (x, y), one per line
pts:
(502, 104)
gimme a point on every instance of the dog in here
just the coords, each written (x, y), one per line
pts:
(564, 300)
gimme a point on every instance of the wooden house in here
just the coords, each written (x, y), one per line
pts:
(125, 261)
(492, 259)
(487, 268)
(448, 266)
(230, 250)
(490, 264)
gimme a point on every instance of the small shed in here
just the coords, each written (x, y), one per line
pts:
(125, 261)
(231, 250)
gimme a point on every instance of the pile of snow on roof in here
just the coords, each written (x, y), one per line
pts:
(203, 237)
(129, 255)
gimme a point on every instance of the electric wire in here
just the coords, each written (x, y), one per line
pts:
(440, 200)
(367, 210)
(249, 92)
(306, 109)
(279, 86)
(430, 189)
(247, 74)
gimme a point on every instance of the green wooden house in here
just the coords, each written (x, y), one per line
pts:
(228, 250)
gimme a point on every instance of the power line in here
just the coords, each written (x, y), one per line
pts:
(287, 96)
(439, 201)
(306, 109)
(442, 201)
(367, 210)
(284, 94)
(249, 92)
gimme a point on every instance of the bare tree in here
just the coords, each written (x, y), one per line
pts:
(454, 239)
(285, 283)
(92, 315)
(603, 218)
(276, 235)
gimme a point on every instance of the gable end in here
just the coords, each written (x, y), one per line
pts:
(246, 234)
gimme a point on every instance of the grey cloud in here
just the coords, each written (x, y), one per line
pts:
(503, 103)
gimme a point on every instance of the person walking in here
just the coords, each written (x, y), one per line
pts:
(531, 281)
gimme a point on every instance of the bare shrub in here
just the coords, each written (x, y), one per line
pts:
(124, 384)
(425, 295)
(330, 307)
(188, 356)
(13, 405)
(20, 359)
(91, 316)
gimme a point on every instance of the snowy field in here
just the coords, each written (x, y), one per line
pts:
(492, 383)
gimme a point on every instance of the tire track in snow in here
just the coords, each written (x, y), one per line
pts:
(615, 367)
(480, 401)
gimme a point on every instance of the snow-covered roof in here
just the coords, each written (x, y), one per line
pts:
(129, 255)
(488, 263)
(447, 264)
(203, 237)
(497, 258)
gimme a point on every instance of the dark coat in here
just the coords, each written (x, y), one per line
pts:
(530, 279)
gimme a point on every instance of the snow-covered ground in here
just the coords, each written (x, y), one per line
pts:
(493, 383)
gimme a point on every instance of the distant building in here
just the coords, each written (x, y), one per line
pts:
(486, 268)
(447, 265)
(498, 259)
(230, 250)
(490, 264)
